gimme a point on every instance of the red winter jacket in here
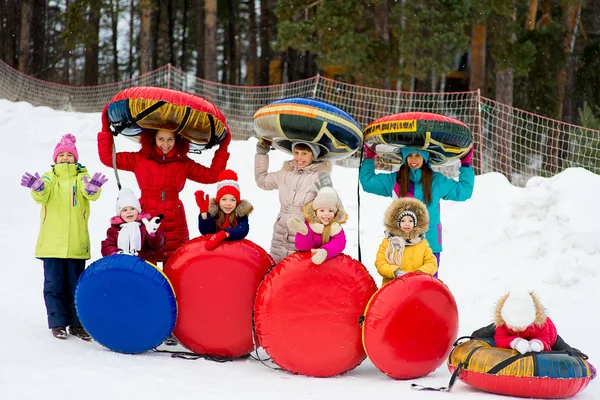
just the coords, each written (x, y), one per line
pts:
(161, 177)
(546, 333)
(150, 244)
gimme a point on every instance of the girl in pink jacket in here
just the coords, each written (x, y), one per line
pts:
(321, 232)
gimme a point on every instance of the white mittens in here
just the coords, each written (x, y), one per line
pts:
(319, 255)
(295, 225)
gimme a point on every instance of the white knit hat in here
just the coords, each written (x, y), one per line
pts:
(327, 197)
(126, 198)
(518, 310)
(411, 214)
(313, 147)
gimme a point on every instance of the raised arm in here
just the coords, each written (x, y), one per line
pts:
(380, 184)
(264, 179)
(125, 160)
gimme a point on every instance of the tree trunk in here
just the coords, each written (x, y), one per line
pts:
(11, 15)
(92, 45)
(546, 17)
(200, 35)
(504, 94)
(131, 39)
(252, 67)
(184, 23)
(170, 36)
(531, 15)
(114, 18)
(67, 66)
(571, 16)
(147, 49)
(230, 42)
(25, 36)
(163, 43)
(38, 39)
(478, 43)
(210, 40)
(382, 31)
(265, 39)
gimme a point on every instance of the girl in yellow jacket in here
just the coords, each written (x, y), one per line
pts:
(404, 248)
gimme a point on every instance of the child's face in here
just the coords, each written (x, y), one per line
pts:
(65, 158)
(406, 223)
(227, 203)
(165, 140)
(129, 214)
(325, 215)
(414, 160)
(302, 158)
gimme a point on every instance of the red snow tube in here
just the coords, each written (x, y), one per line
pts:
(191, 116)
(445, 138)
(306, 315)
(215, 293)
(545, 375)
(410, 325)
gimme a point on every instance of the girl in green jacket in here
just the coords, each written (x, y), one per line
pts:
(64, 242)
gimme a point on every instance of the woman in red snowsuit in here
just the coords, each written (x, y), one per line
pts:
(161, 168)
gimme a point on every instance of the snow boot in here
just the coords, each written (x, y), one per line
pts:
(59, 332)
(80, 333)
(171, 341)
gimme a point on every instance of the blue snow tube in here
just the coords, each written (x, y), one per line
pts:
(126, 304)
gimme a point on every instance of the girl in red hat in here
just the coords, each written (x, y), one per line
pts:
(225, 216)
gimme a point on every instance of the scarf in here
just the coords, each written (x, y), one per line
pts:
(396, 246)
(130, 238)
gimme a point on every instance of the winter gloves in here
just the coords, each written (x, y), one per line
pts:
(398, 273)
(370, 154)
(105, 121)
(324, 180)
(33, 182)
(225, 143)
(296, 225)
(319, 255)
(263, 146)
(465, 161)
(152, 224)
(203, 201)
(215, 240)
(92, 187)
(525, 346)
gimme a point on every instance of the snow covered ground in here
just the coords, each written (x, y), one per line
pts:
(545, 237)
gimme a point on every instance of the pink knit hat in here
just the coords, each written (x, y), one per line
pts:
(67, 143)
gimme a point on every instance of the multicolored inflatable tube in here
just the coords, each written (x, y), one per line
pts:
(142, 107)
(443, 137)
(306, 120)
(546, 375)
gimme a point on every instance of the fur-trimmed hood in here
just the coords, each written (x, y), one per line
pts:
(310, 216)
(398, 206)
(540, 312)
(316, 166)
(243, 209)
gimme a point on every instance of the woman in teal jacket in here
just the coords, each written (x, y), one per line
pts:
(416, 179)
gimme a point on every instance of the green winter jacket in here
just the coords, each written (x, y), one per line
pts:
(65, 213)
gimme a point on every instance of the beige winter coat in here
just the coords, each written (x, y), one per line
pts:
(297, 187)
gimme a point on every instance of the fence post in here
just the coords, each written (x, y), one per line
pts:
(169, 76)
(314, 94)
(480, 131)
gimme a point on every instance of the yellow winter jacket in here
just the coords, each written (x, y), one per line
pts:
(418, 257)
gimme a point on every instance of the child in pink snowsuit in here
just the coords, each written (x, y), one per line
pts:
(321, 231)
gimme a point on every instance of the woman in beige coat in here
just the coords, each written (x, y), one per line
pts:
(298, 183)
